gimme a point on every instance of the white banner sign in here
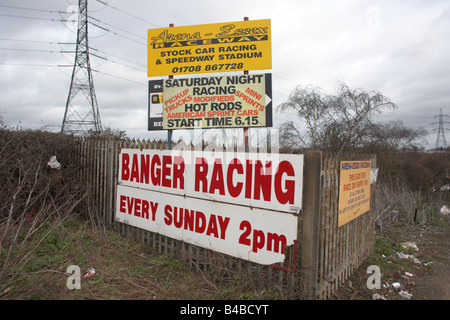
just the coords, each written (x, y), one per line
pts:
(240, 204)
(268, 181)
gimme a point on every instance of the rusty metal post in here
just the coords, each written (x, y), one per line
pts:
(170, 131)
(246, 148)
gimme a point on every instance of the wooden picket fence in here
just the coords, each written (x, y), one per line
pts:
(332, 252)
(315, 267)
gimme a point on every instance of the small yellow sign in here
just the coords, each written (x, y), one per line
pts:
(217, 47)
(354, 190)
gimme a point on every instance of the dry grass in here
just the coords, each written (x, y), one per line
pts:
(125, 269)
(398, 203)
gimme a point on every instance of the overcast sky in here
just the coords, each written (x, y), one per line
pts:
(399, 48)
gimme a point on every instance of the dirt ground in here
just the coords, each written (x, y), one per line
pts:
(428, 279)
(436, 284)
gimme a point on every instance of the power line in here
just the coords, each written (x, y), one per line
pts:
(60, 65)
(32, 65)
(31, 9)
(131, 15)
(63, 12)
(31, 50)
(110, 54)
(51, 51)
(111, 75)
(34, 18)
(32, 41)
(107, 59)
(65, 20)
(117, 34)
(110, 25)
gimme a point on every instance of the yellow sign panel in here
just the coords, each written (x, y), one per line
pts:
(354, 190)
(217, 47)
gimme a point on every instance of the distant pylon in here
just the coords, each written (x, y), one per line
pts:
(74, 122)
(441, 134)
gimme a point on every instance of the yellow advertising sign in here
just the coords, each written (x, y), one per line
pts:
(354, 190)
(217, 47)
(217, 102)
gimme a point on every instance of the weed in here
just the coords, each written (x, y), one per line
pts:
(168, 261)
(383, 246)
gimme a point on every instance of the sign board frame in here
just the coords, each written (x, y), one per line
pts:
(354, 190)
(209, 48)
(237, 101)
(179, 194)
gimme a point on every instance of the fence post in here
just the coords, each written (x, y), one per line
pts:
(311, 211)
(109, 180)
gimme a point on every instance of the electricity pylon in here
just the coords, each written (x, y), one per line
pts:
(80, 119)
(441, 134)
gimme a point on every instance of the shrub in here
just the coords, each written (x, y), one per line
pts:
(30, 191)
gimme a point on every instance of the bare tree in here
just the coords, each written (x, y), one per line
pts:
(394, 135)
(332, 122)
(310, 106)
